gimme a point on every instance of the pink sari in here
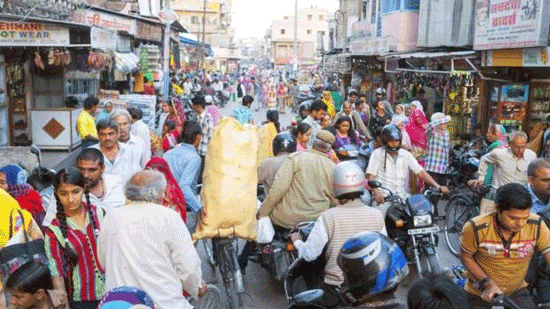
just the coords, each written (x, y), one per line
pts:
(416, 128)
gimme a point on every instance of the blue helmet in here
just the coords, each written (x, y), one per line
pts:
(125, 298)
(372, 264)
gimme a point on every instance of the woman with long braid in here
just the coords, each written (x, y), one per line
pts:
(71, 244)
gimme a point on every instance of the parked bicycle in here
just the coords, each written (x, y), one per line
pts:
(462, 206)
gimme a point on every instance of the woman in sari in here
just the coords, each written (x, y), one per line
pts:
(327, 99)
(173, 196)
(177, 114)
(13, 179)
(416, 128)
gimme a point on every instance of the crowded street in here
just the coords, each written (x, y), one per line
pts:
(290, 154)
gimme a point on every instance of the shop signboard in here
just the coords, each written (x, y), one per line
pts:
(14, 33)
(511, 23)
(103, 38)
(526, 57)
(148, 31)
(104, 20)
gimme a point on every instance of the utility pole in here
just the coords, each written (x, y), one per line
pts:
(295, 36)
(203, 55)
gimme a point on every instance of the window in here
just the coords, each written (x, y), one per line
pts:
(310, 17)
(282, 31)
(373, 11)
(321, 17)
(285, 17)
(322, 33)
(194, 20)
(308, 31)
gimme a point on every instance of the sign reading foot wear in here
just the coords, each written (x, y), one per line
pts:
(32, 34)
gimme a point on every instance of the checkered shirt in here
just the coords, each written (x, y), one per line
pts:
(439, 144)
(206, 123)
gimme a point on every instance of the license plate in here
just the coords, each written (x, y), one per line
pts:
(425, 230)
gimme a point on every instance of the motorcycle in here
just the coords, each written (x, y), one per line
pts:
(503, 302)
(41, 178)
(221, 98)
(308, 298)
(352, 152)
(412, 224)
(277, 256)
(464, 163)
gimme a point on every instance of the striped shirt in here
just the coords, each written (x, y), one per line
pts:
(439, 144)
(88, 283)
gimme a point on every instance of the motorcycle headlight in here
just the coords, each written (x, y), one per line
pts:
(422, 220)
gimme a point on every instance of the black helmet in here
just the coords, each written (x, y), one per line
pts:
(372, 264)
(284, 142)
(391, 133)
(305, 106)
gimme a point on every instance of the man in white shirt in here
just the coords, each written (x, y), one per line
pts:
(139, 127)
(509, 164)
(120, 159)
(147, 245)
(123, 119)
(390, 166)
(106, 191)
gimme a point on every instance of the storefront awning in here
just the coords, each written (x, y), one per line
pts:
(126, 62)
(457, 54)
(188, 38)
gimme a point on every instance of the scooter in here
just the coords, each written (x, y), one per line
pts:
(412, 224)
(41, 178)
(352, 152)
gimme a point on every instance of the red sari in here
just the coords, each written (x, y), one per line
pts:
(173, 196)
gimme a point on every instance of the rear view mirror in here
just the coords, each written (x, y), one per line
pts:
(34, 150)
(374, 184)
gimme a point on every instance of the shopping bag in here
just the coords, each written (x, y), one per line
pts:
(264, 230)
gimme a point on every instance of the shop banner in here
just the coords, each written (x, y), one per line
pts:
(511, 23)
(104, 20)
(32, 34)
(149, 32)
(103, 38)
(526, 57)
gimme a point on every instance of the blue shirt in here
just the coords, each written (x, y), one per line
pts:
(538, 206)
(243, 114)
(185, 164)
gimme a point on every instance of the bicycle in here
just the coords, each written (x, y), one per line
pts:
(225, 258)
(462, 206)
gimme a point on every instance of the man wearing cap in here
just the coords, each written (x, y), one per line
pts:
(439, 145)
(302, 188)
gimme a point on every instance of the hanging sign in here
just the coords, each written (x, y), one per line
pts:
(511, 23)
(104, 20)
(103, 38)
(32, 34)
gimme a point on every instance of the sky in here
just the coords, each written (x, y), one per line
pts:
(252, 17)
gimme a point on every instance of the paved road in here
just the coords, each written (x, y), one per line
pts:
(268, 293)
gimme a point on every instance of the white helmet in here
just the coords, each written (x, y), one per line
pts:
(347, 178)
(208, 99)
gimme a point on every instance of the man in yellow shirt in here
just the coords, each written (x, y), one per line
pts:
(497, 248)
(86, 122)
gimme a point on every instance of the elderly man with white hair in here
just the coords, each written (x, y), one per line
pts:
(509, 166)
(147, 245)
(124, 121)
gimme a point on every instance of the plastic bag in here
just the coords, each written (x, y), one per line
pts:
(264, 230)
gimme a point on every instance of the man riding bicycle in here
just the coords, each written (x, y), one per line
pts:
(390, 166)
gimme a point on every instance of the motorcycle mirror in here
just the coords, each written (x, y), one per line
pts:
(374, 184)
(36, 151)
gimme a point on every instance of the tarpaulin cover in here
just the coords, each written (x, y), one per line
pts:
(230, 182)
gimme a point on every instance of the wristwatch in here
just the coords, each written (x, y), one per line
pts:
(480, 285)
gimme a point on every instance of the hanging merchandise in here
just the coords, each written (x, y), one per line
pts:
(100, 61)
(126, 62)
(51, 59)
(144, 59)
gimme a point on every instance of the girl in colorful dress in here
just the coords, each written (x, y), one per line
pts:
(71, 242)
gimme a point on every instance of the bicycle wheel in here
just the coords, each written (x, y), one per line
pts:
(459, 210)
(210, 300)
(227, 269)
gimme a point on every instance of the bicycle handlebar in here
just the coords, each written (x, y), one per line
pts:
(503, 300)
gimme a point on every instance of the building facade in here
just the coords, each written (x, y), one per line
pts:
(312, 37)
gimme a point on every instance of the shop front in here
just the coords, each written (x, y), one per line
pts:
(37, 58)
